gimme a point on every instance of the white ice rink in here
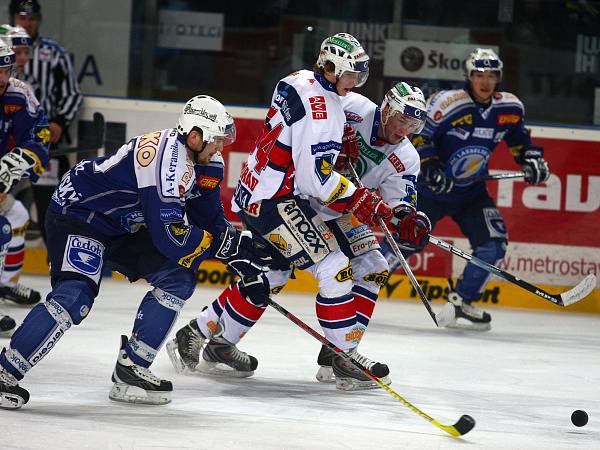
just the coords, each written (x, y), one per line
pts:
(520, 382)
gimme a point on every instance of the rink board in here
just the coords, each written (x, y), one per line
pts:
(497, 293)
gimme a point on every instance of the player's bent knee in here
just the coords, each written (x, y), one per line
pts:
(334, 273)
(491, 251)
(70, 302)
(176, 280)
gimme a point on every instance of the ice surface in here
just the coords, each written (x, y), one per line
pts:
(520, 381)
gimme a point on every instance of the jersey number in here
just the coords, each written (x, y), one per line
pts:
(264, 147)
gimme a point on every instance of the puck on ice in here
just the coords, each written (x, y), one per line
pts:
(579, 418)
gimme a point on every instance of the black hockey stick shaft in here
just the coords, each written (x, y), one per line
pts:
(399, 255)
(566, 298)
(460, 428)
(95, 144)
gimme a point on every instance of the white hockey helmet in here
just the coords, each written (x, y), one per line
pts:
(7, 56)
(210, 116)
(483, 60)
(407, 100)
(15, 36)
(346, 54)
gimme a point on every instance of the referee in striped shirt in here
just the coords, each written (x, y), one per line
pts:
(55, 85)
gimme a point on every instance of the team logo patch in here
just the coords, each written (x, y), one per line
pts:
(276, 290)
(338, 192)
(12, 109)
(208, 182)
(464, 120)
(318, 107)
(483, 133)
(169, 215)
(178, 232)
(379, 278)
(44, 135)
(393, 158)
(344, 274)
(507, 119)
(133, 221)
(437, 116)
(353, 117)
(460, 133)
(83, 255)
(324, 167)
(355, 335)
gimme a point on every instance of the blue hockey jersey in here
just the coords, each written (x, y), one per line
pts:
(143, 184)
(463, 134)
(24, 124)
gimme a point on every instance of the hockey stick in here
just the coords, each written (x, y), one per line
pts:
(94, 144)
(492, 176)
(460, 428)
(441, 319)
(567, 298)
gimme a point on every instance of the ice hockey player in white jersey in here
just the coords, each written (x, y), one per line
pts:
(128, 210)
(293, 161)
(386, 161)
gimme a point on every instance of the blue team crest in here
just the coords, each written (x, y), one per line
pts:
(133, 221)
(83, 254)
(324, 166)
(468, 162)
(178, 232)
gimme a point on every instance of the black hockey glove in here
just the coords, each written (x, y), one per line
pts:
(534, 165)
(256, 289)
(432, 174)
(238, 250)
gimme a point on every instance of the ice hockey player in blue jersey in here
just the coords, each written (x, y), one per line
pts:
(128, 210)
(463, 128)
(24, 138)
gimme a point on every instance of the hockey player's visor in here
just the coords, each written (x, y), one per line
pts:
(360, 77)
(411, 124)
(227, 138)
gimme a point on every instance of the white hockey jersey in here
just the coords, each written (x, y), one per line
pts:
(300, 143)
(391, 169)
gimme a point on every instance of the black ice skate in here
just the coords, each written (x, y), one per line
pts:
(7, 325)
(137, 384)
(222, 358)
(184, 350)
(467, 316)
(12, 396)
(20, 294)
(325, 360)
(348, 377)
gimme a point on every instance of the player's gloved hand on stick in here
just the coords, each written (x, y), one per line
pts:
(13, 166)
(412, 228)
(534, 165)
(240, 252)
(255, 288)
(367, 206)
(349, 154)
(433, 175)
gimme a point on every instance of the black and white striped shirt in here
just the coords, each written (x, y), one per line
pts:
(54, 80)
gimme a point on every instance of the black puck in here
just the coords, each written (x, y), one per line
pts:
(579, 418)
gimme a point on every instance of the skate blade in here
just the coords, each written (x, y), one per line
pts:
(325, 375)
(125, 393)
(221, 370)
(173, 352)
(11, 401)
(352, 384)
(468, 325)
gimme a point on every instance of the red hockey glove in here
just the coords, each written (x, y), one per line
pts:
(349, 154)
(412, 228)
(366, 206)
